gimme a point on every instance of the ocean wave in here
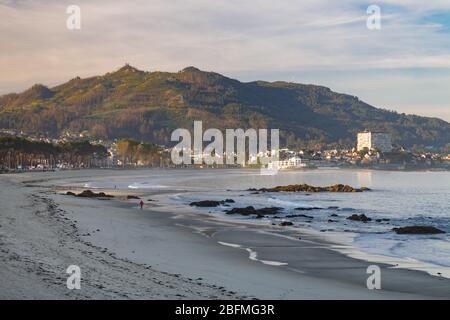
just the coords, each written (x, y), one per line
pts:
(424, 248)
(291, 204)
(146, 185)
(253, 255)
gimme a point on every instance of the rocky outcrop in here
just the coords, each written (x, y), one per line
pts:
(251, 210)
(210, 203)
(308, 188)
(205, 203)
(90, 194)
(299, 215)
(285, 223)
(361, 217)
(417, 230)
(132, 197)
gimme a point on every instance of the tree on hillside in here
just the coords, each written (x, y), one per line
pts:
(133, 152)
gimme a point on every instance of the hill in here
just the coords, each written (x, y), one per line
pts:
(149, 105)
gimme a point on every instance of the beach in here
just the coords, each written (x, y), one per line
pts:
(168, 250)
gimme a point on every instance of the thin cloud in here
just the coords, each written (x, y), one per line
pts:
(261, 38)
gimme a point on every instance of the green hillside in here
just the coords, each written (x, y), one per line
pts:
(149, 105)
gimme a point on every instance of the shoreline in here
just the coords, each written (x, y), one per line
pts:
(39, 239)
(336, 240)
(121, 169)
(214, 255)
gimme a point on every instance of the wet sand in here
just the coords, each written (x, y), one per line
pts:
(190, 254)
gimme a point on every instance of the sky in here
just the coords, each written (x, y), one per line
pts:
(403, 66)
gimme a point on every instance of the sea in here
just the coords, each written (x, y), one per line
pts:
(399, 198)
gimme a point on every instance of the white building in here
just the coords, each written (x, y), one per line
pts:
(291, 163)
(374, 141)
(113, 159)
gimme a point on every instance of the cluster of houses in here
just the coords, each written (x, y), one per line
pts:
(373, 149)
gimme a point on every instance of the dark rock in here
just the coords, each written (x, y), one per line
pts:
(87, 194)
(102, 194)
(133, 197)
(334, 215)
(299, 215)
(308, 208)
(91, 194)
(70, 193)
(286, 223)
(382, 220)
(361, 217)
(205, 203)
(251, 210)
(331, 220)
(417, 230)
(244, 211)
(210, 203)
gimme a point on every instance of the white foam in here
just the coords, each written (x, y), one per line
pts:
(293, 204)
(145, 185)
(253, 255)
(233, 245)
(90, 186)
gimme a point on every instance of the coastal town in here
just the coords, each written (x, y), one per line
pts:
(78, 150)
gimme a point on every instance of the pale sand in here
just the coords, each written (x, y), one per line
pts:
(39, 239)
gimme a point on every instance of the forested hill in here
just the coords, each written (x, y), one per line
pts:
(149, 105)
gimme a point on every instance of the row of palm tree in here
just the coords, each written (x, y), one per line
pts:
(16, 152)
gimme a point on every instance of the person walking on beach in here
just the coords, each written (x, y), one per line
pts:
(141, 204)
